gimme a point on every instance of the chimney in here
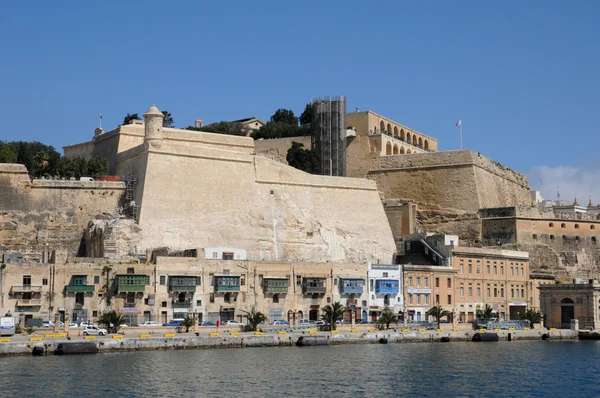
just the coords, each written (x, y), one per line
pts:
(199, 123)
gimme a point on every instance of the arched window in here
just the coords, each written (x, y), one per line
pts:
(402, 151)
(563, 225)
(388, 148)
(275, 298)
(576, 226)
(414, 140)
(426, 144)
(577, 239)
(592, 227)
(408, 151)
(408, 137)
(564, 237)
(396, 131)
(382, 127)
(535, 236)
(420, 142)
(389, 129)
(395, 149)
(566, 301)
(551, 225)
(551, 237)
(593, 239)
(402, 134)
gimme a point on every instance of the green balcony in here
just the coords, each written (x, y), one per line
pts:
(227, 283)
(276, 285)
(79, 288)
(132, 283)
(314, 286)
(183, 283)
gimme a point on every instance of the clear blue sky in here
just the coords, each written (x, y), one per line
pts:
(522, 75)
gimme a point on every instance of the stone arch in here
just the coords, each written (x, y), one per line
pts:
(408, 137)
(408, 151)
(551, 237)
(551, 225)
(535, 236)
(567, 300)
(564, 237)
(275, 298)
(382, 127)
(402, 151)
(576, 226)
(396, 131)
(426, 144)
(592, 227)
(395, 149)
(577, 239)
(402, 134)
(563, 225)
(388, 148)
(389, 129)
(420, 142)
(593, 239)
(414, 139)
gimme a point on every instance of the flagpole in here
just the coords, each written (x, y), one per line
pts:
(461, 135)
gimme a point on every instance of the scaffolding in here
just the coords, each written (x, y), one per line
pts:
(329, 134)
(130, 208)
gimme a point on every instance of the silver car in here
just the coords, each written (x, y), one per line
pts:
(94, 331)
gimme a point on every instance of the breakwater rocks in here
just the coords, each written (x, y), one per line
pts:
(23, 345)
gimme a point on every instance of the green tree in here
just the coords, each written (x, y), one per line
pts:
(7, 155)
(168, 120)
(107, 290)
(532, 315)
(333, 313)
(307, 160)
(221, 127)
(307, 115)
(112, 321)
(97, 167)
(187, 323)
(73, 167)
(438, 312)
(130, 117)
(487, 312)
(387, 317)
(284, 116)
(255, 318)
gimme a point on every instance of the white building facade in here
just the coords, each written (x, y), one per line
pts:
(385, 289)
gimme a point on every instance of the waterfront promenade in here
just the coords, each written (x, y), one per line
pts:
(157, 339)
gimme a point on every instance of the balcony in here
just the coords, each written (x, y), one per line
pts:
(386, 286)
(314, 286)
(79, 288)
(182, 283)
(29, 303)
(25, 289)
(351, 286)
(227, 283)
(276, 285)
(132, 283)
(181, 304)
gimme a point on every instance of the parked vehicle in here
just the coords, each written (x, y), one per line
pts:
(84, 324)
(150, 324)
(305, 322)
(320, 323)
(172, 323)
(73, 325)
(94, 331)
(280, 322)
(207, 323)
(233, 323)
(50, 324)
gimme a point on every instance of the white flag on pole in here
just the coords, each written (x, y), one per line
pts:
(459, 123)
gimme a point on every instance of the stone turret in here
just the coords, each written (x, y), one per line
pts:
(153, 123)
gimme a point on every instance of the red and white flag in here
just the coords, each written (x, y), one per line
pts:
(459, 123)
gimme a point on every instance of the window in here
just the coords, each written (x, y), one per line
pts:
(502, 270)
(512, 293)
(488, 269)
(437, 298)
(79, 297)
(478, 291)
(409, 282)
(275, 298)
(212, 298)
(461, 268)
(594, 239)
(522, 292)
(199, 303)
(470, 268)
(512, 271)
(495, 292)
(385, 274)
(198, 280)
(163, 304)
(426, 281)
(44, 281)
(364, 303)
(163, 280)
(502, 292)
(242, 280)
(535, 237)
(592, 227)
(227, 256)
(94, 314)
(517, 292)
(418, 281)
(449, 282)
(131, 270)
(470, 291)
(227, 298)
(96, 279)
(576, 226)
(437, 282)
(495, 270)
(551, 225)
(410, 299)
(418, 299)
(551, 237)
(462, 291)
(426, 299)
(564, 237)
(26, 280)
(489, 292)
(215, 254)
(522, 271)
(449, 299)
(563, 225)
(478, 269)
(211, 278)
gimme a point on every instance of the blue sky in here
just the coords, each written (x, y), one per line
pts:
(522, 75)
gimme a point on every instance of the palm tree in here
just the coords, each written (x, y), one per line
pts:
(112, 321)
(333, 313)
(439, 312)
(533, 316)
(187, 323)
(107, 289)
(487, 312)
(387, 317)
(255, 318)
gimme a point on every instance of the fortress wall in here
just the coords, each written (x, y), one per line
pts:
(33, 213)
(277, 148)
(83, 150)
(207, 198)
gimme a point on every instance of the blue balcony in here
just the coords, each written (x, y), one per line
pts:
(351, 285)
(386, 286)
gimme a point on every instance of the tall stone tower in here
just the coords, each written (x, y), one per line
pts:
(153, 124)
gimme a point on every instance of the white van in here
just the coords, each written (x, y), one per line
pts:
(86, 179)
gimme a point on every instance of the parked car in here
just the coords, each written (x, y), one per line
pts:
(232, 323)
(84, 324)
(172, 323)
(73, 325)
(362, 322)
(207, 323)
(305, 322)
(50, 324)
(320, 323)
(149, 324)
(280, 322)
(94, 331)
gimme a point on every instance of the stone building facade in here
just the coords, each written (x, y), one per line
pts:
(565, 302)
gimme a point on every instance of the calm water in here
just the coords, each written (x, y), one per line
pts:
(568, 369)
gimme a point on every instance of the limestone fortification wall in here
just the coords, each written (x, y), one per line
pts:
(33, 213)
(277, 148)
(203, 196)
